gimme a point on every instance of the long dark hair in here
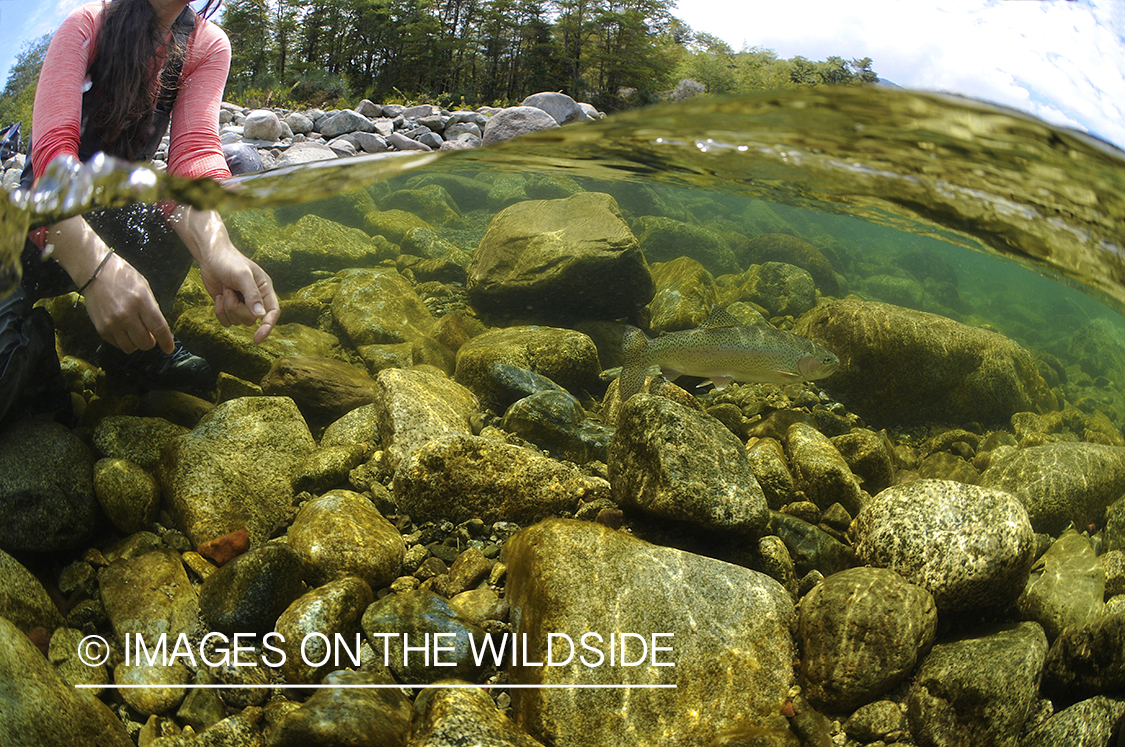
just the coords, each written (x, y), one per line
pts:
(122, 72)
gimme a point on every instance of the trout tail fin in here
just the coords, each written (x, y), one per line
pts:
(633, 368)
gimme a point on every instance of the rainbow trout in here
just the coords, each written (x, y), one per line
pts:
(724, 350)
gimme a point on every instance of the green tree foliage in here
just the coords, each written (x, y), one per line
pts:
(18, 96)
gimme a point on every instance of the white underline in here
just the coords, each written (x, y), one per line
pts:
(375, 687)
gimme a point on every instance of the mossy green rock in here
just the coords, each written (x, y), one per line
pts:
(235, 469)
(414, 407)
(680, 464)
(450, 717)
(728, 624)
(324, 389)
(328, 610)
(820, 471)
(904, 366)
(782, 247)
(392, 224)
(1062, 483)
(1066, 586)
(40, 710)
(340, 534)
(566, 357)
(457, 478)
(685, 295)
(23, 600)
(148, 595)
(127, 493)
(137, 439)
(249, 593)
(375, 307)
(346, 209)
(782, 289)
(1086, 660)
(1089, 722)
(665, 239)
(350, 714)
(861, 632)
(46, 488)
(978, 690)
(431, 203)
(317, 245)
(573, 258)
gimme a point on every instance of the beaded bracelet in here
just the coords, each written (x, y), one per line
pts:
(96, 271)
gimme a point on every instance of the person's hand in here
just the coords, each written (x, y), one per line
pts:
(124, 311)
(242, 291)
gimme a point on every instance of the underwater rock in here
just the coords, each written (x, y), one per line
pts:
(46, 488)
(23, 600)
(890, 289)
(324, 389)
(869, 458)
(876, 721)
(457, 478)
(566, 357)
(685, 295)
(154, 685)
(515, 121)
(329, 467)
(414, 407)
(977, 690)
(780, 288)
(425, 242)
(468, 194)
(378, 306)
(248, 594)
(40, 710)
(341, 534)
(1061, 483)
(1099, 347)
(1066, 586)
(556, 422)
(811, 547)
(393, 224)
(781, 247)
(431, 203)
(903, 366)
(234, 470)
(1113, 566)
(454, 717)
(1085, 724)
(970, 547)
(514, 383)
(1115, 525)
(347, 209)
(666, 239)
(347, 715)
(861, 632)
(820, 471)
(728, 624)
(140, 440)
(1087, 660)
(329, 610)
(360, 426)
(556, 260)
(679, 464)
(767, 462)
(127, 493)
(149, 595)
(412, 616)
(318, 245)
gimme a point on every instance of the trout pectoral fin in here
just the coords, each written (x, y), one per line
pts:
(670, 373)
(721, 382)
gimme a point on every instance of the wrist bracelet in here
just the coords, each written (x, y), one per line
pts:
(96, 271)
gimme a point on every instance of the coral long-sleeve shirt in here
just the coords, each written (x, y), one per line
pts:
(194, 150)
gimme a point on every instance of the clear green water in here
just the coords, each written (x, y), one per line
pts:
(1028, 218)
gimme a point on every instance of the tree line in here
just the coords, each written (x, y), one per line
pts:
(614, 54)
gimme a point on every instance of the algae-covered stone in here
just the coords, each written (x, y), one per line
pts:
(978, 690)
(683, 465)
(1087, 659)
(378, 307)
(685, 295)
(820, 471)
(664, 239)
(235, 469)
(431, 203)
(1066, 586)
(149, 595)
(450, 717)
(341, 534)
(903, 366)
(323, 388)
(128, 494)
(566, 357)
(46, 488)
(310, 624)
(728, 625)
(315, 245)
(393, 224)
(573, 258)
(1062, 483)
(556, 422)
(140, 440)
(416, 619)
(350, 714)
(780, 288)
(767, 461)
(1099, 347)
(23, 600)
(861, 632)
(970, 547)
(811, 547)
(248, 594)
(40, 710)
(151, 688)
(457, 478)
(869, 457)
(414, 407)
(345, 209)
(782, 247)
(1089, 723)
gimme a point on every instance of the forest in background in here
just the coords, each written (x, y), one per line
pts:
(614, 54)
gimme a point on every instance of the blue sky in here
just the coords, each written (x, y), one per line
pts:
(1060, 60)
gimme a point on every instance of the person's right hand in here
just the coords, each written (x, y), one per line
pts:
(124, 311)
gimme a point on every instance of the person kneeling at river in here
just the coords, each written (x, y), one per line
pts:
(114, 75)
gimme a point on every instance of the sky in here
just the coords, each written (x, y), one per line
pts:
(1061, 60)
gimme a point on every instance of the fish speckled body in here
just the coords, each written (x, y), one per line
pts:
(724, 350)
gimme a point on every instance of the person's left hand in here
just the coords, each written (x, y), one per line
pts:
(242, 291)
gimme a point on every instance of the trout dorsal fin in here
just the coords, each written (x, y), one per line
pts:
(720, 317)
